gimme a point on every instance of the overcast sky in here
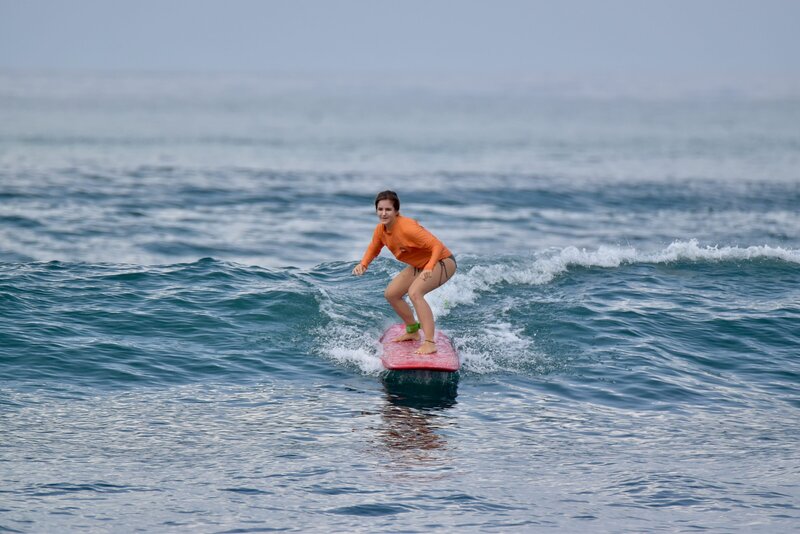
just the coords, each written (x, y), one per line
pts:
(427, 36)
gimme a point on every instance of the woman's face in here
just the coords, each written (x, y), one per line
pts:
(386, 212)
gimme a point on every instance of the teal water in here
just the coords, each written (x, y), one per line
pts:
(182, 346)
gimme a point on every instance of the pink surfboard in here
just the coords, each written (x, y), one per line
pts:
(400, 355)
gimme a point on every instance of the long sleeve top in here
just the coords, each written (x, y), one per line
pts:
(410, 243)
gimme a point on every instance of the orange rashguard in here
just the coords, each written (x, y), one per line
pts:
(410, 243)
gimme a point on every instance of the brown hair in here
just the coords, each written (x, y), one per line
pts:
(388, 195)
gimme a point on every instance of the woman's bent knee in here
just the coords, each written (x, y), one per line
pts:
(391, 295)
(415, 295)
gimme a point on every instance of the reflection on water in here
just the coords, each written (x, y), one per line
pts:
(412, 414)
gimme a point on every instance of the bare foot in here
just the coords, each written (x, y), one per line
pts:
(407, 337)
(427, 347)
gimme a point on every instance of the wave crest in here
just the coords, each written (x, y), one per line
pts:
(548, 265)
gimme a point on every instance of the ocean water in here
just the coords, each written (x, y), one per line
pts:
(183, 348)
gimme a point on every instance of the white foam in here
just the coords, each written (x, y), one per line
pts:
(348, 345)
(692, 251)
(465, 287)
(498, 347)
(343, 351)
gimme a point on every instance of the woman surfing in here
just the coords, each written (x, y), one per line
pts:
(430, 265)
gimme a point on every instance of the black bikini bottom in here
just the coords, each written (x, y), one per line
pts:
(444, 272)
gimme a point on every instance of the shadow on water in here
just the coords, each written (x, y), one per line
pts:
(424, 390)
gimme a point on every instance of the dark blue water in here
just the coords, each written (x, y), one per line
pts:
(183, 348)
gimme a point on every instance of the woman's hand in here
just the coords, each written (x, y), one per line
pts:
(426, 274)
(359, 269)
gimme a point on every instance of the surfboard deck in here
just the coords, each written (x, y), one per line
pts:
(400, 355)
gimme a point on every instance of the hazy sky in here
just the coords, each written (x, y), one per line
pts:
(429, 36)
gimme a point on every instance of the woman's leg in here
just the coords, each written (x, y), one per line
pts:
(395, 292)
(442, 272)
